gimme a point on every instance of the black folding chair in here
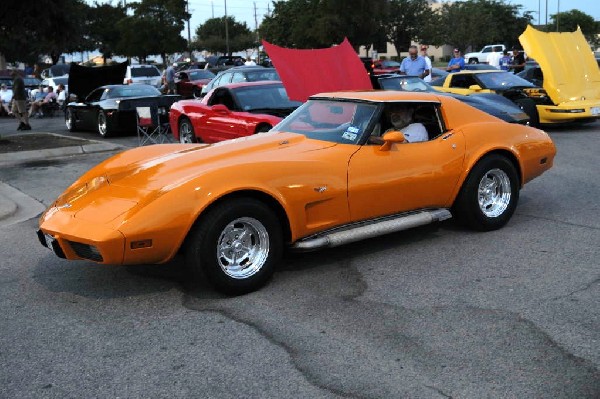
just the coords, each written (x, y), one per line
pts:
(152, 127)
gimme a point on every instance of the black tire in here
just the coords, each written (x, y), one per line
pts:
(263, 128)
(467, 208)
(209, 234)
(186, 132)
(103, 125)
(473, 61)
(197, 93)
(70, 120)
(528, 106)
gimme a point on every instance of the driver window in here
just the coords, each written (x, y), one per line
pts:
(94, 96)
(238, 77)
(418, 122)
(463, 81)
(222, 96)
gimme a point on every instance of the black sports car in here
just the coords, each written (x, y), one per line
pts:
(105, 104)
(493, 104)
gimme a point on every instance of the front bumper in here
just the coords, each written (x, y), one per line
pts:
(570, 112)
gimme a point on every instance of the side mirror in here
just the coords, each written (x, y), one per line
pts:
(475, 87)
(390, 138)
(220, 108)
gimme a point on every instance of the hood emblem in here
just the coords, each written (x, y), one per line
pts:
(320, 189)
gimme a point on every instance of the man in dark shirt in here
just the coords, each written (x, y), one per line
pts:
(19, 107)
(518, 61)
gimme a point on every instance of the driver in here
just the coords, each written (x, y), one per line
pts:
(401, 119)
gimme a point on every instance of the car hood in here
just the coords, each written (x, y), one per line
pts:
(496, 105)
(169, 165)
(82, 80)
(570, 69)
(339, 69)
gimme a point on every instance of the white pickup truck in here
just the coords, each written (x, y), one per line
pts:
(482, 56)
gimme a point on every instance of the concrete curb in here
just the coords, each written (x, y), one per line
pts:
(89, 148)
(21, 206)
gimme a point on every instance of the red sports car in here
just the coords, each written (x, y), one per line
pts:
(231, 111)
(385, 66)
(189, 83)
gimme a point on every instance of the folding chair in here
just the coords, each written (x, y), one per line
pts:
(152, 128)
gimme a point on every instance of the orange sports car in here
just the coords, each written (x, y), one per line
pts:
(343, 167)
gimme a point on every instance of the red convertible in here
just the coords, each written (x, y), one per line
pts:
(189, 83)
(231, 111)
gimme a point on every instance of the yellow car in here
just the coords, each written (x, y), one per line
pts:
(571, 83)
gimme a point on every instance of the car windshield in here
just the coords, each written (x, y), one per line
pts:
(404, 83)
(252, 98)
(390, 64)
(267, 74)
(61, 81)
(144, 71)
(133, 91)
(336, 121)
(200, 74)
(502, 80)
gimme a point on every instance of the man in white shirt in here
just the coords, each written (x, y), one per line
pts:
(249, 62)
(494, 58)
(401, 119)
(428, 61)
(5, 99)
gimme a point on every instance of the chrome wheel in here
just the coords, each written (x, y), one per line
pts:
(102, 124)
(186, 133)
(494, 193)
(69, 120)
(243, 248)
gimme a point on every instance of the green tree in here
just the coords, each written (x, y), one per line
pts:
(211, 36)
(475, 23)
(408, 20)
(568, 21)
(103, 27)
(25, 33)
(154, 28)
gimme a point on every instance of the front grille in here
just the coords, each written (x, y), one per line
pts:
(86, 251)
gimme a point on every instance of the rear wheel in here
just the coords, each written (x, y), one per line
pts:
(236, 245)
(197, 93)
(528, 106)
(490, 194)
(186, 132)
(473, 61)
(70, 120)
(103, 125)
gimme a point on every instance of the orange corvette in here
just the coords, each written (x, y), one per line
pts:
(343, 167)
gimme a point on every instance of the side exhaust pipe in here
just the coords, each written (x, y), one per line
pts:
(369, 229)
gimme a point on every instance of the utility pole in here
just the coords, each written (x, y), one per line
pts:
(226, 29)
(546, 16)
(539, 12)
(557, 15)
(212, 5)
(257, 37)
(187, 10)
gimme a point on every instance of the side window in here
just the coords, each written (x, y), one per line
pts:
(225, 78)
(238, 77)
(418, 121)
(223, 96)
(487, 50)
(462, 81)
(498, 49)
(94, 96)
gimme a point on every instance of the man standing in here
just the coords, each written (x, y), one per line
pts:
(494, 58)
(457, 63)
(518, 61)
(170, 78)
(19, 107)
(428, 61)
(505, 61)
(413, 65)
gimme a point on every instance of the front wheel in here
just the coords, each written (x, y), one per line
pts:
(186, 132)
(236, 245)
(490, 194)
(70, 120)
(103, 125)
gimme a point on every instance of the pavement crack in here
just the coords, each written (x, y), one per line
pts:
(577, 291)
(558, 221)
(438, 390)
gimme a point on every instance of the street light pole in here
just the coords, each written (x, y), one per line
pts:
(546, 16)
(226, 29)
(557, 14)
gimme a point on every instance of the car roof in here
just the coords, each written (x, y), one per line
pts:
(380, 96)
(478, 71)
(251, 84)
(142, 66)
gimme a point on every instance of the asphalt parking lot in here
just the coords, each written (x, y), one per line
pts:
(434, 312)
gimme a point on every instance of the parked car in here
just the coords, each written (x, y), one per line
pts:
(30, 83)
(230, 111)
(493, 104)
(480, 67)
(106, 111)
(56, 71)
(570, 73)
(385, 66)
(144, 74)
(327, 175)
(217, 64)
(437, 73)
(533, 75)
(54, 82)
(523, 93)
(190, 82)
(241, 74)
(482, 56)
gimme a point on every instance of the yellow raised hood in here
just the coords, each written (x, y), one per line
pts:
(570, 69)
